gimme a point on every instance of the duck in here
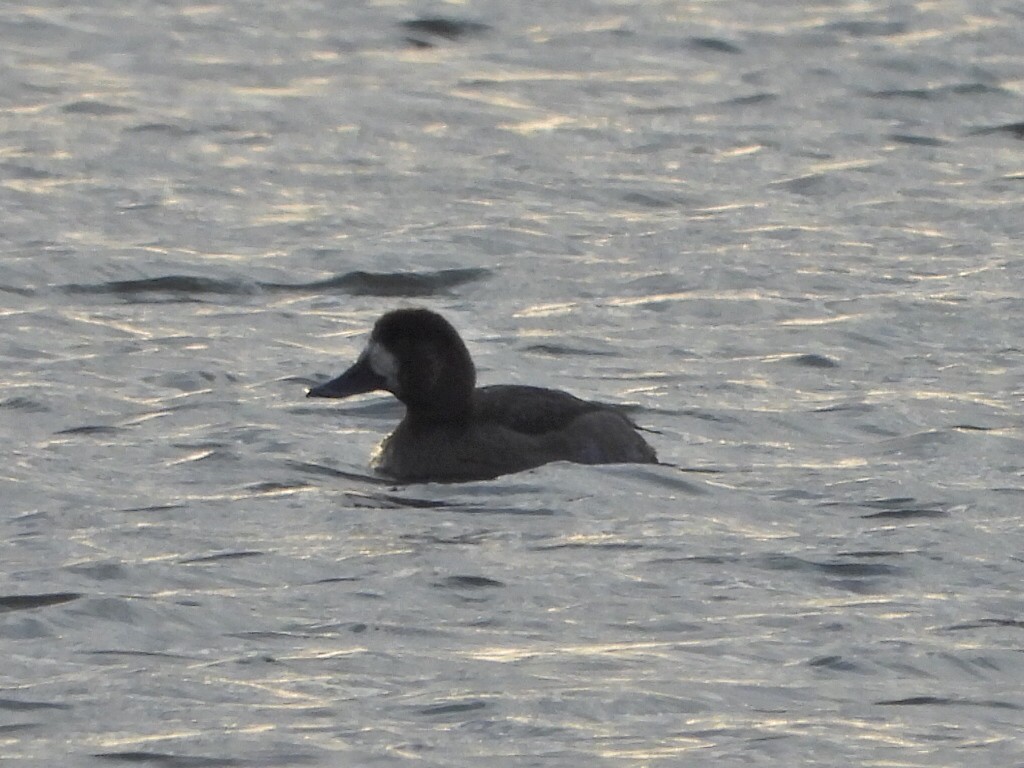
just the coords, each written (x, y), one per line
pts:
(454, 431)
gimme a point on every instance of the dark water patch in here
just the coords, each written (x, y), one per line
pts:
(714, 44)
(17, 728)
(163, 129)
(874, 553)
(866, 28)
(424, 33)
(396, 630)
(944, 701)
(974, 89)
(259, 658)
(699, 560)
(857, 569)
(716, 417)
(661, 110)
(38, 31)
(916, 701)
(358, 283)
(155, 508)
(813, 360)
(852, 408)
(987, 623)
(269, 634)
(275, 487)
(94, 108)
(561, 350)
(142, 654)
(35, 516)
(322, 470)
(658, 626)
(654, 200)
(835, 663)
(236, 555)
(505, 510)
(832, 569)
(410, 284)
(24, 172)
(936, 94)
(908, 513)
(1014, 129)
(753, 100)
(470, 582)
(16, 290)
(902, 508)
(922, 141)
(90, 430)
(454, 708)
(174, 284)
(612, 546)
(186, 381)
(392, 501)
(15, 705)
(709, 559)
(812, 185)
(28, 602)
(102, 571)
(168, 760)
(333, 629)
(890, 502)
(24, 404)
(921, 94)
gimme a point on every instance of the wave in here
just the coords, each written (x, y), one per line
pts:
(357, 283)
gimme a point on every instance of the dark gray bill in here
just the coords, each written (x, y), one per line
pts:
(356, 380)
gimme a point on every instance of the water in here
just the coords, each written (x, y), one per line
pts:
(787, 237)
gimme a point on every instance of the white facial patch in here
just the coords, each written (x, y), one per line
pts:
(384, 364)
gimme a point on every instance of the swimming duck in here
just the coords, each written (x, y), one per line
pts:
(453, 430)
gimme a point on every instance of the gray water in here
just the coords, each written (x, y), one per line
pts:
(786, 236)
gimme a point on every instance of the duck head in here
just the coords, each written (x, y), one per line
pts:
(417, 356)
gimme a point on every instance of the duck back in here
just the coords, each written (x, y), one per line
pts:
(513, 428)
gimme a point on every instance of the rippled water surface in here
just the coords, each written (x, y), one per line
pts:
(787, 237)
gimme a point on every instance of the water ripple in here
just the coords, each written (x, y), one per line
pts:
(28, 602)
(358, 283)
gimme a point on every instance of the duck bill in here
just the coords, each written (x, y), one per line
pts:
(356, 380)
